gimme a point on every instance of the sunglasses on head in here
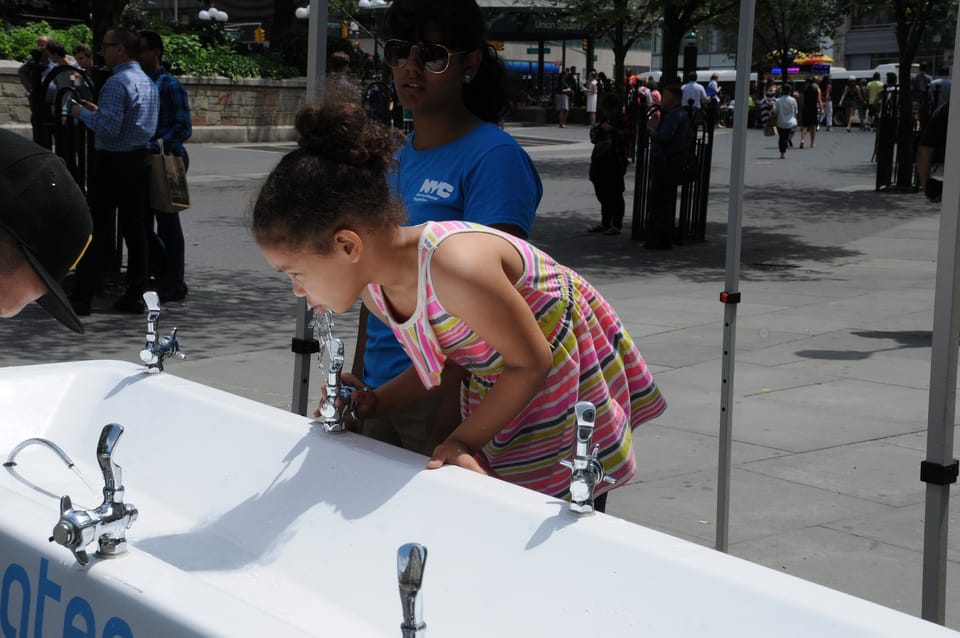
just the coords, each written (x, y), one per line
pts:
(434, 57)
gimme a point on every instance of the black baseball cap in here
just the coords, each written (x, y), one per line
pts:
(43, 209)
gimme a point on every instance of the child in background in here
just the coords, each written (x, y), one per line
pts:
(532, 335)
(608, 165)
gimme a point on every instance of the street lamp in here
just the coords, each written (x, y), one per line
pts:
(212, 13)
(302, 12)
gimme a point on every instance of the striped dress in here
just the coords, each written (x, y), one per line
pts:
(594, 359)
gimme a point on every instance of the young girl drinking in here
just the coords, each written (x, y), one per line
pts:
(532, 335)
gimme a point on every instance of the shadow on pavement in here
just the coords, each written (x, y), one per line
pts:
(226, 311)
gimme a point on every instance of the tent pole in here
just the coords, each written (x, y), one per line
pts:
(303, 340)
(731, 294)
(939, 469)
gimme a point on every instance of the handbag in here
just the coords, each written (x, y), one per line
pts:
(169, 192)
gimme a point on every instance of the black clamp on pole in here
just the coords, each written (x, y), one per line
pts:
(729, 297)
(938, 473)
(304, 346)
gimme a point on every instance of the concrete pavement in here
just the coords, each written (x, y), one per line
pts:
(832, 361)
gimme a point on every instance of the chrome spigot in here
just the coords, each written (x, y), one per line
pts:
(332, 414)
(587, 470)
(411, 559)
(157, 348)
(107, 524)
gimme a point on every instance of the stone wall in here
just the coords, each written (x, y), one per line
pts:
(223, 110)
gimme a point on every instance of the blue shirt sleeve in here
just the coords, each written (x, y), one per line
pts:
(504, 188)
(108, 117)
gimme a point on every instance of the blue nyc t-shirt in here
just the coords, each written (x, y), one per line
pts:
(483, 177)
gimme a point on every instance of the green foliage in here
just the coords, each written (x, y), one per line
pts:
(134, 17)
(17, 42)
(188, 56)
(187, 53)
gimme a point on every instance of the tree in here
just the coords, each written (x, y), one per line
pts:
(283, 17)
(912, 19)
(106, 14)
(679, 18)
(623, 22)
(786, 26)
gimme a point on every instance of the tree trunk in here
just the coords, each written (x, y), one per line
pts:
(905, 135)
(106, 15)
(619, 55)
(673, 32)
(283, 16)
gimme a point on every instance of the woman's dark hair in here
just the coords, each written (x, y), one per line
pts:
(335, 178)
(464, 29)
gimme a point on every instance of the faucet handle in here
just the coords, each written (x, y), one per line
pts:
(411, 559)
(71, 530)
(112, 473)
(152, 299)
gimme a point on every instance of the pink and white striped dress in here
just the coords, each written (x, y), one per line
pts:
(594, 359)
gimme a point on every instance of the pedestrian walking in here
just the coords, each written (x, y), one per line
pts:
(810, 113)
(852, 100)
(826, 95)
(786, 117)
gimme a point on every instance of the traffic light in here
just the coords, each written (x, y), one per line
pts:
(497, 45)
(259, 35)
(344, 30)
(585, 45)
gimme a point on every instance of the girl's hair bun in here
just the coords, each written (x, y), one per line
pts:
(338, 131)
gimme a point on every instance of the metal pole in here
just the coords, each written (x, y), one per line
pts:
(316, 68)
(939, 470)
(731, 294)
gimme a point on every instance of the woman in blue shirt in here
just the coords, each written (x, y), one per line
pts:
(457, 164)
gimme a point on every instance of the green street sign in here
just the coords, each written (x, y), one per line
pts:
(534, 50)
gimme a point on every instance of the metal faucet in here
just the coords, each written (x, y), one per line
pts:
(411, 559)
(587, 470)
(331, 414)
(106, 524)
(157, 348)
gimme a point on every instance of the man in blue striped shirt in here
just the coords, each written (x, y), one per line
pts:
(123, 123)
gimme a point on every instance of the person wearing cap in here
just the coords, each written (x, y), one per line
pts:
(45, 227)
(123, 123)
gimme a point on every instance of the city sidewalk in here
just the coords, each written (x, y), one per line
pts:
(832, 357)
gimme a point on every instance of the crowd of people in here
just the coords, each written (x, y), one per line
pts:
(138, 109)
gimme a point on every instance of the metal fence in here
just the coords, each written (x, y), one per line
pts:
(690, 224)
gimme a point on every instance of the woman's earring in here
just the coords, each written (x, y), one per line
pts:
(466, 78)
